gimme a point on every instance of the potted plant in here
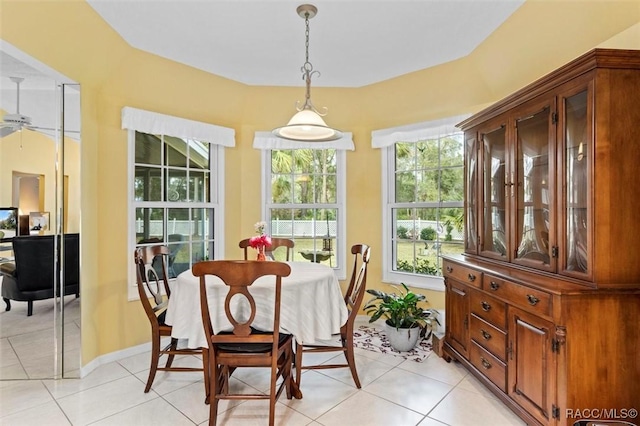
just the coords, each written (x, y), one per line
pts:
(406, 321)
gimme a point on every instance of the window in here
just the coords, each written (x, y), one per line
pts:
(175, 192)
(305, 202)
(304, 192)
(423, 199)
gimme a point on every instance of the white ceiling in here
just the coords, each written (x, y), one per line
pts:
(353, 43)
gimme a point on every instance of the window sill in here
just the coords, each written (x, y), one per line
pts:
(427, 282)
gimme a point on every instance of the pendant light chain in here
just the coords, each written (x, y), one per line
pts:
(307, 67)
(306, 34)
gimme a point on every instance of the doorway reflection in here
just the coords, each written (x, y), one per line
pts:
(40, 175)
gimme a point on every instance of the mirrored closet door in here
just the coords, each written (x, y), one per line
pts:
(40, 188)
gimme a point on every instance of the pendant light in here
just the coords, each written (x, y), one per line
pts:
(307, 124)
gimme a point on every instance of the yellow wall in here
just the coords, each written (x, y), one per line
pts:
(71, 38)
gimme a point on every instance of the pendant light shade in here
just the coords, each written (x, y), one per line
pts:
(307, 125)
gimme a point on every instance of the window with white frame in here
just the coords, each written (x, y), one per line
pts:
(175, 192)
(423, 199)
(305, 198)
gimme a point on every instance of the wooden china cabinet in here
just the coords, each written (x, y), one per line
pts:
(544, 305)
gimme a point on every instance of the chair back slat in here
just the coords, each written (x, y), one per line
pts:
(149, 281)
(357, 286)
(240, 328)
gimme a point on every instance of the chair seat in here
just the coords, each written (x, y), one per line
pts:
(335, 341)
(162, 317)
(254, 348)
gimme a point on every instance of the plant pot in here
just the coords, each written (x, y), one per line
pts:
(403, 339)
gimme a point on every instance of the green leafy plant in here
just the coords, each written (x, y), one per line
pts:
(402, 232)
(428, 234)
(401, 309)
(423, 266)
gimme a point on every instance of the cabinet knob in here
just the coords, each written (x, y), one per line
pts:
(449, 269)
(472, 277)
(532, 299)
(486, 364)
(494, 285)
(485, 335)
(485, 306)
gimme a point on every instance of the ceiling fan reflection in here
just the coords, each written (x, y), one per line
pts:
(17, 122)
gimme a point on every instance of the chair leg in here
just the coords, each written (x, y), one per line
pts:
(8, 302)
(207, 377)
(155, 357)
(351, 360)
(298, 362)
(272, 397)
(30, 308)
(173, 347)
(287, 371)
(215, 383)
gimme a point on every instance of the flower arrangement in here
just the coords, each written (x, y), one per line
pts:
(260, 241)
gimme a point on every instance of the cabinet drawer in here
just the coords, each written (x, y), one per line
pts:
(462, 273)
(530, 299)
(489, 309)
(489, 337)
(489, 365)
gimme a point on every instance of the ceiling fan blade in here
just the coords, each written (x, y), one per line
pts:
(6, 131)
(52, 129)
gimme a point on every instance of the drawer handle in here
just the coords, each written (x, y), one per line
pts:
(472, 277)
(486, 364)
(494, 285)
(449, 269)
(486, 335)
(485, 306)
(532, 299)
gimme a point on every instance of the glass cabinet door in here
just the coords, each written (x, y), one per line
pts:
(575, 118)
(534, 158)
(495, 191)
(471, 196)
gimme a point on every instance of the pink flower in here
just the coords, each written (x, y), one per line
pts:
(260, 241)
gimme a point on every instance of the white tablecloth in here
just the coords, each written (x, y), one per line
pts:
(312, 306)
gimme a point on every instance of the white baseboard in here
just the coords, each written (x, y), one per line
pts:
(116, 356)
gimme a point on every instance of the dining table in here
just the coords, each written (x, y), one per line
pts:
(312, 306)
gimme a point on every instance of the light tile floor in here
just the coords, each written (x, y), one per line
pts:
(394, 392)
(27, 342)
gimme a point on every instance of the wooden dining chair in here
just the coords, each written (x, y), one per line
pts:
(275, 243)
(245, 345)
(150, 283)
(353, 299)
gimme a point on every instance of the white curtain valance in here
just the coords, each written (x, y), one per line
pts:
(267, 140)
(160, 124)
(416, 132)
